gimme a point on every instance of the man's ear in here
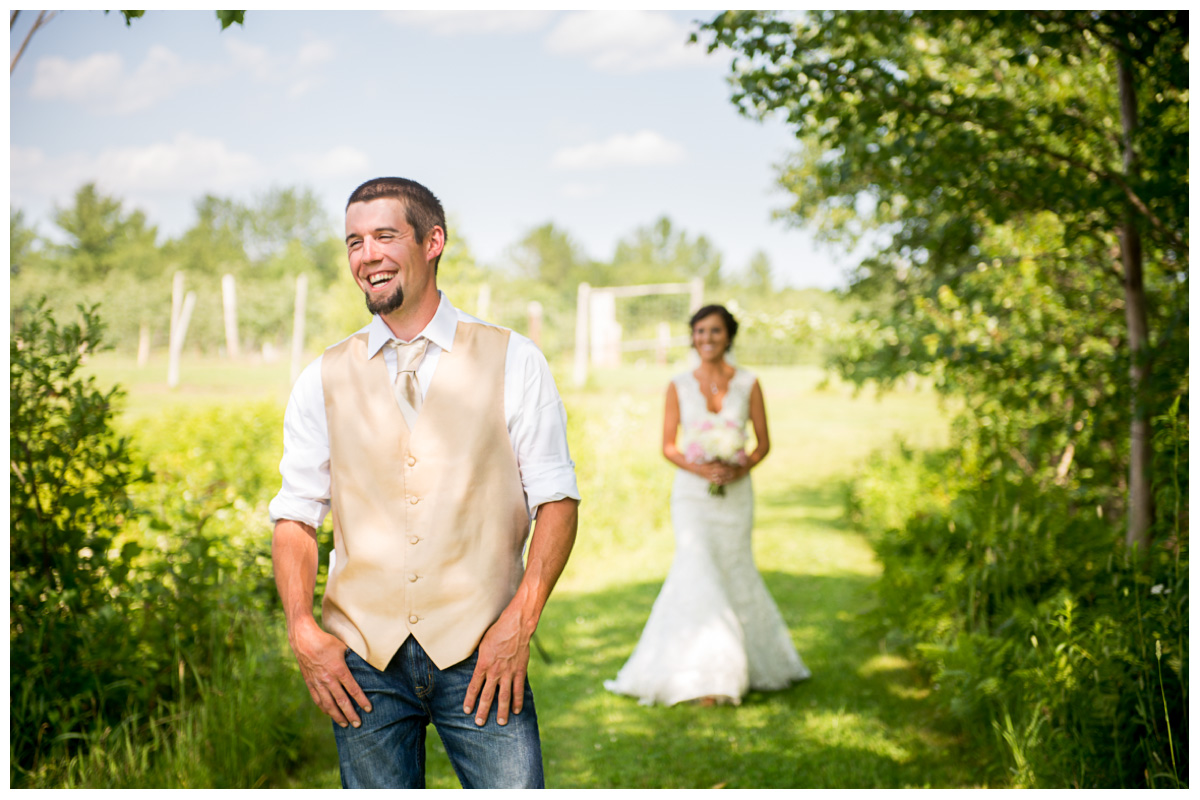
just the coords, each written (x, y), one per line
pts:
(435, 242)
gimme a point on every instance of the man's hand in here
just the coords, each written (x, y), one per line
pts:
(322, 658)
(500, 671)
(504, 650)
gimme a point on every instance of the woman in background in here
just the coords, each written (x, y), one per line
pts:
(714, 632)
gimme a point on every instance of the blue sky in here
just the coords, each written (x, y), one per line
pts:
(599, 122)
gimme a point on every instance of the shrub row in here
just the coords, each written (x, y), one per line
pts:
(1037, 628)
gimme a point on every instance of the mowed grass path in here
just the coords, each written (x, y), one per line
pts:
(863, 720)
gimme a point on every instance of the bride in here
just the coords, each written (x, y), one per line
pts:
(714, 632)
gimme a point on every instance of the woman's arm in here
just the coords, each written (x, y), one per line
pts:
(758, 419)
(671, 431)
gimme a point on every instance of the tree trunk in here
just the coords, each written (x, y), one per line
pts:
(1141, 496)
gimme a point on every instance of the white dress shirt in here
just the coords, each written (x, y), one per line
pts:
(537, 420)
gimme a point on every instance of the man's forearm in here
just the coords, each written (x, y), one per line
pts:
(294, 556)
(549, 549)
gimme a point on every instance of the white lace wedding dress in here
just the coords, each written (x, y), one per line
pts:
(714, 630)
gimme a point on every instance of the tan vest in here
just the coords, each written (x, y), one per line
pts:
(428, 525)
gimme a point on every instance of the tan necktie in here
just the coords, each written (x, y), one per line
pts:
(406, 388)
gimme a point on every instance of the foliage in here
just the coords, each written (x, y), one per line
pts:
(987, 159)
(548, 254)
(247, 726)
(661, 253)
(1034, 622)
(102, 239)
(985, 149)
(942, 119)
(226, 18)
(22, 244)
(111, 256)
(68, 500)
(137, 570)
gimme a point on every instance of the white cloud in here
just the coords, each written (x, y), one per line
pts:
(581, 191)
(188, 165)
(315, 52)
(625, 41)
(251, 58)
(295, 70)
(341, 161)
(101, 82)
(455, 23)
(644, 148)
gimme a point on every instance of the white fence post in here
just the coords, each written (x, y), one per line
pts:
(143, 344)
(581, 333)
(697, 294)
(664, 343)
(180, 334)
(229, 295)
(298, 326)
(604, 331)
(176, 306)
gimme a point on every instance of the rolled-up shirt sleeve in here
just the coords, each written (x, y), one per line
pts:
(304, 494)
(537, 426)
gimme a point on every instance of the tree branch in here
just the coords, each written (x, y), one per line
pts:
(1095, 172)
(42, 18)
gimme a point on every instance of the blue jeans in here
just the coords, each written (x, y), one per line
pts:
(388, 751)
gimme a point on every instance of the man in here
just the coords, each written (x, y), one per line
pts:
(434, 439)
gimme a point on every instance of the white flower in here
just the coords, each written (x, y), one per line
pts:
(1156, 588)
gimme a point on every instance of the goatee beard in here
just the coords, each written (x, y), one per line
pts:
(386, 305)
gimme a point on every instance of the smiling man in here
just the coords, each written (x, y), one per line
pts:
(433, 440)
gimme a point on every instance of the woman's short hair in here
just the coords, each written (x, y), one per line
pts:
(731, 324)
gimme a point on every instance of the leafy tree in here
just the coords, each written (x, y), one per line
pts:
(215, 245)
(68, 500)
(758, 272)
(549, 255)
(22, 241)
(933, 127)
(103, 239)
(661, 252)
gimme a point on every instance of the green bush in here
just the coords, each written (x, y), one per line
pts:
(140, 572)
(69, 640)
(1034, 623)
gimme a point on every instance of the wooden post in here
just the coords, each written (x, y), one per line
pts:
(185, 317)
(535, 322)
(664, 343)
(143, 344)
(604, 334)
(176, 305)
(583, 300)
(229, 295)
(697, 294)
(483, 305)
(298, 326)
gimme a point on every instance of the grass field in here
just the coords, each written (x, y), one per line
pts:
(863, 720)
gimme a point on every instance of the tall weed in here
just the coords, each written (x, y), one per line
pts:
(1034, 622)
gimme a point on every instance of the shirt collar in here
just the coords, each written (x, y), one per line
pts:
(439, 331)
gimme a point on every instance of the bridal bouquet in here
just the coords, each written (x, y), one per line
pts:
(715, 439)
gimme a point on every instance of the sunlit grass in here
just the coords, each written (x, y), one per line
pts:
(863, 720)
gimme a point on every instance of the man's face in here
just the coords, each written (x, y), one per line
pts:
(388, 263)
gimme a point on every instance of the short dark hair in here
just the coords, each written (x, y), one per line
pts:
(422, 210)
(731, 324)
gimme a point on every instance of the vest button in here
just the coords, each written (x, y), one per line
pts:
(413, 618)
(412, 578)
(414, 539)
(414, 500)
(412, 461)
